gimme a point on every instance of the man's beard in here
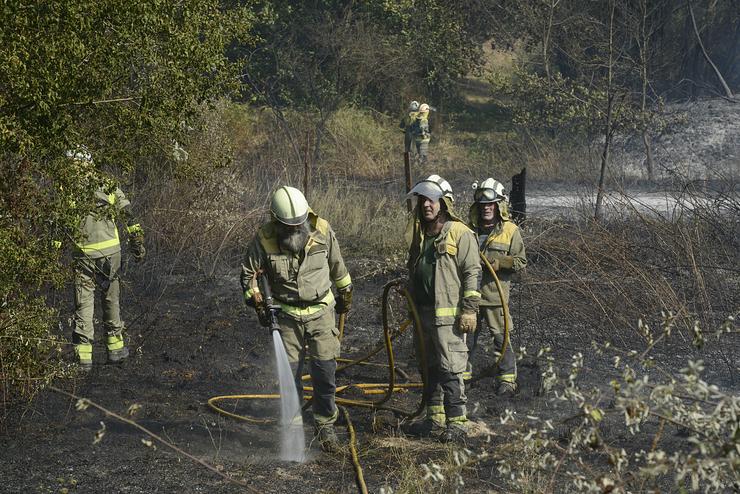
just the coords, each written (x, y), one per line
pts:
(293, 240)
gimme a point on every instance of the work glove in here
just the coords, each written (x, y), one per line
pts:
(468, 322)
(344, 300)
(136, 246)
(505, 262)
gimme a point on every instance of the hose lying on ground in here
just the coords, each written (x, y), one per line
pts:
(369, 388)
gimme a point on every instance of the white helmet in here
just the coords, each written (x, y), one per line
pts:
(489, 191)
(424, 108)
(434, 187)
(79, 154)
(289, 206)
(414, 106)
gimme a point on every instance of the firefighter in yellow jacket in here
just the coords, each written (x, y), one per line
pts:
(97, 262)
(299, 254)
(406, 125)
(421, 133)
(444, 273)
(500, 240)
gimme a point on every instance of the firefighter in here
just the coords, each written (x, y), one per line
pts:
(500, 240)
(406, 126)
(299, 253)
(422, 135)
(97, 263)
(444, 272)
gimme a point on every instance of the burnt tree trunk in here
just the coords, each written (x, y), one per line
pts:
(518, 198)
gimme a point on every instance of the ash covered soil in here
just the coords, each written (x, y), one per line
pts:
(192, 339)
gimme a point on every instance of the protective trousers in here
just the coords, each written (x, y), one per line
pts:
(317, 335)
(446, 358)
(102, 274)
(494, 318)
(422, 151)
(408, 138)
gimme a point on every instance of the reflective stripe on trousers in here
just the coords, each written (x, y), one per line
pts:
(84, 353)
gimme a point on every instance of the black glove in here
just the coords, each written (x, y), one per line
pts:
(136, 246)
(344, 300)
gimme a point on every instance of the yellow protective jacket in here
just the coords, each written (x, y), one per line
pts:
(301, 284)
(421, 128)
(504, 243)
(98, 230)
(457, 270)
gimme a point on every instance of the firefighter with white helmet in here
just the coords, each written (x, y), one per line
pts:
(500, 240)
(97, 263)
(422, 135)
(299, 254)
(444, 272)
(406, 125)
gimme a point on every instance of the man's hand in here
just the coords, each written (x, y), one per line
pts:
(258, 302)
(468, 322)
(505, 262)
(136, 246)
(263, 314)
(344, 300)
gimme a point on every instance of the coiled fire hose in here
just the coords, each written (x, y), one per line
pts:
(368, 388)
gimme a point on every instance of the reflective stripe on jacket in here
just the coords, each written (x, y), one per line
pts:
(504, 240)
(301, 287)
(457, 271)
(98, 229)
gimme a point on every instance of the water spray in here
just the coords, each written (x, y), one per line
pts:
(292, 440)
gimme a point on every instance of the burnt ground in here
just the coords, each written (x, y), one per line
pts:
(193, 339)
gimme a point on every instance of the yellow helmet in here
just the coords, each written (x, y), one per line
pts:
(289, 206)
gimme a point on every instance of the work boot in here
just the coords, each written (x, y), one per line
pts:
(455, 434)
(424, 428)
(328, 439)
(117, 356)
(506, 388)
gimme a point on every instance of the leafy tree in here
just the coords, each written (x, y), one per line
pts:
(118, 77)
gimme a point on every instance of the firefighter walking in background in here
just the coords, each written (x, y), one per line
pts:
(97, 263)
(422, 135)
(500, 240)
(299, 254)
(406, 125)
(444, 273)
